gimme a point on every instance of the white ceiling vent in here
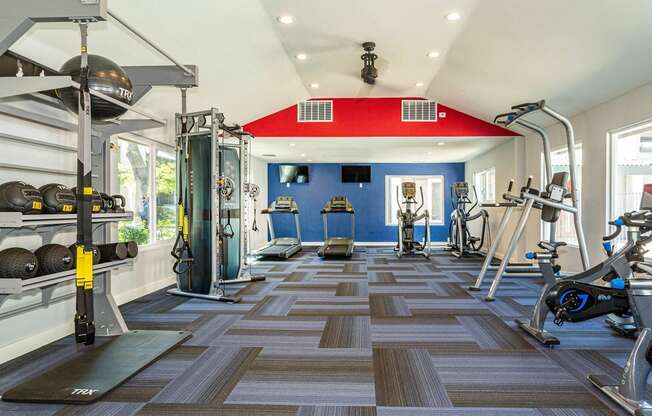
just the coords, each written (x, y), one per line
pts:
(418, 110)
(315, 111)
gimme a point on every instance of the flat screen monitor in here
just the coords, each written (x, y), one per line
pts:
(646, 198)
(356, 173)
(293, 174)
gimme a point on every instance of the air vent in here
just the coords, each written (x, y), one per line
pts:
(315, 111)
(419, 110)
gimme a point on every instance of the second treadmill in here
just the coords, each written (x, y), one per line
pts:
(337, 246)
(282, 247)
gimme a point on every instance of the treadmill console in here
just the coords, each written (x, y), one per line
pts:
(409, 189)
(283, 203)
(339, 203)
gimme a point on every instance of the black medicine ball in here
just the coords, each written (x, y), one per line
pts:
(18, 196)
(104, 76)
(53, 258)
(18, 263)
(58, 199)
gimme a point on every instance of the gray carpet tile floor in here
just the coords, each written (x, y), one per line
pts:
(369, 335)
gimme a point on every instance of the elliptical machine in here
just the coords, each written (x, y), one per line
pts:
(576, 301)
(407, 245)
(460, 239)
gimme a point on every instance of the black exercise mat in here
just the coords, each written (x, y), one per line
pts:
(89, 376)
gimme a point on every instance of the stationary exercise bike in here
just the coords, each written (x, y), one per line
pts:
(461, 241)
(628, 293)
(407, 245)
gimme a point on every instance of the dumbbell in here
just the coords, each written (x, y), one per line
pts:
(97, 256)
(113, 251)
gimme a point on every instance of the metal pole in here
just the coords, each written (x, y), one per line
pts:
(547, 161)
(570, 137)
(493, 248)
(510, 249)
(150, 43)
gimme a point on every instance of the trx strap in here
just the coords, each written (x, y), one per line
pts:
(181, 250)
(84, 316)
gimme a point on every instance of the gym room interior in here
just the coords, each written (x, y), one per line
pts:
(325, 208)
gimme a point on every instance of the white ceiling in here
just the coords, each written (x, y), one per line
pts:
(372, 149)
(576, 54)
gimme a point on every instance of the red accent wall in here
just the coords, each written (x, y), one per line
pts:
(373, 117)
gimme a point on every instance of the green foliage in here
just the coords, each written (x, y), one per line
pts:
(136, 231)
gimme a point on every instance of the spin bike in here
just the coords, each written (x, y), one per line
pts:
(407, 245)
(629, 292)
(460, 240)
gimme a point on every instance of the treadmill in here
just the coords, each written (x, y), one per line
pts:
(337, 246)
(281, 247)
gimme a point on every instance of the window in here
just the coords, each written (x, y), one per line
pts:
(147, 180)
(165, 195)
(485, 185)
(433, 192)
(631, 168)
(565, 228)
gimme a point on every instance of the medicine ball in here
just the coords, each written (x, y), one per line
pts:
(104, 76)
(132, 249)
(96, 201)
(113, 251)
(58, 199)
(20, 197)
(18, 263)
(97, 256)
(53, 258)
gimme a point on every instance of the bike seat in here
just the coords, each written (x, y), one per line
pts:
(550, 245)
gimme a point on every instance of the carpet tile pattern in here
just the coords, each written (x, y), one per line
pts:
(373, 335)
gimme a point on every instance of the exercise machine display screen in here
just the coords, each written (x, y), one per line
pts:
(646, 198)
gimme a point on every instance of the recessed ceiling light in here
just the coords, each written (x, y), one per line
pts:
(309, 160)
(433, 54)
(303, 155)
(441, 144)
(301, 56)
(269, 155)
(314, 86)
(429, 153)
(453, 16)
(292, 144)
(419, 84)
(286, 19)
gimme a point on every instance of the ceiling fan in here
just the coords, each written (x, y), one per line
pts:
(369, 73)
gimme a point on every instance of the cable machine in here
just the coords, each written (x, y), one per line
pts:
(212, 247)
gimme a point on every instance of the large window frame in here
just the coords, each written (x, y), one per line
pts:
(484, 182)
(613, 199)
(154, 149)
(566, 218)
(391, 204)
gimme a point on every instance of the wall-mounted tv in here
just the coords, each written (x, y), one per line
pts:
(356, 173)
(293, 173)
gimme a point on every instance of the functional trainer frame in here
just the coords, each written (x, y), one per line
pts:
(221, 164)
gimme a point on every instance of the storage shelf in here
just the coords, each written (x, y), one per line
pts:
(17, 286)
(19, 220)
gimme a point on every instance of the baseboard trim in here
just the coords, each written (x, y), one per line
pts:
(141, 291)
(35, 341)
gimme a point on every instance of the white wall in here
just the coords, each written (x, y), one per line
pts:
(505, 159)
(592, 128)
(259, 177)
(35, 318)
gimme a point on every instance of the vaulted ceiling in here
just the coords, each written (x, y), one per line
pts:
(574, 53)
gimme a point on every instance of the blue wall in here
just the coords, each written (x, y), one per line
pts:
(368, 201)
